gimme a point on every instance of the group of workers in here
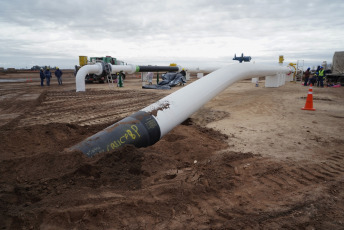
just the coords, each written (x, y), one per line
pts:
(318, 78)
(46, 74)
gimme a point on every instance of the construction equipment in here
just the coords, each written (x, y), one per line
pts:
(242, 58)
(336, 74)
(106, 74)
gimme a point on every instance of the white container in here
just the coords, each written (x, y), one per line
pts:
(187, 76)
(271, 81)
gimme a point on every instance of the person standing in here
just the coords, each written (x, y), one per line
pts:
(321, 77)
(41, 75)
(183, 72)
(120, 78)
(313, 80)
(307, 73)
(47, 75)
(58, 74)
(317, 74)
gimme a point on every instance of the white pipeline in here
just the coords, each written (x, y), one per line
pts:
(175, 108)
(149, 125)
(125, 68)
(97, 68)
(83, 71)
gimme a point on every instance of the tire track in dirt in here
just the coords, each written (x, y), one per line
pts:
(279, 185)
(88, 108)
(15, 105)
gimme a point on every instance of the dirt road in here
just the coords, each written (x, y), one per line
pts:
(249, 159)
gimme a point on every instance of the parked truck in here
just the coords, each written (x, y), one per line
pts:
(336, 75)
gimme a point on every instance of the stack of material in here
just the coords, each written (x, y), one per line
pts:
(168, 80)
(338, 62)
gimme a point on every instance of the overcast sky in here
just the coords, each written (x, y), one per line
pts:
(158, 32)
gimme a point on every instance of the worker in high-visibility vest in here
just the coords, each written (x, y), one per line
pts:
(321, 77)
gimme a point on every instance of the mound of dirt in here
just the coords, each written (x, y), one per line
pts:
(42, 185)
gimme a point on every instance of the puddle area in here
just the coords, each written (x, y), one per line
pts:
(13, 80)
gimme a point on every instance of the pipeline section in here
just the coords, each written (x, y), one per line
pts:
(150, 124)
(99, 67)
(158, 69)
(175, 108)
(83, 71)
(140, 129)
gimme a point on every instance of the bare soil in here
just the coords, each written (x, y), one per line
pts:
(249, 159)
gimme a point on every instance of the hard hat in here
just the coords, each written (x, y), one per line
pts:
(321, 67)
(57, 67)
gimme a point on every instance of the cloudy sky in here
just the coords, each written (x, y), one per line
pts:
(159, 32)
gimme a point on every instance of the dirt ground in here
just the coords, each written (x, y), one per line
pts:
(249, 159)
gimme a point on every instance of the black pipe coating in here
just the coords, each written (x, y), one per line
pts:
(140, 129)
(158, 68)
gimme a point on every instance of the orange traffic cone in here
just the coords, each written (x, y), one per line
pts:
(309, 100)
